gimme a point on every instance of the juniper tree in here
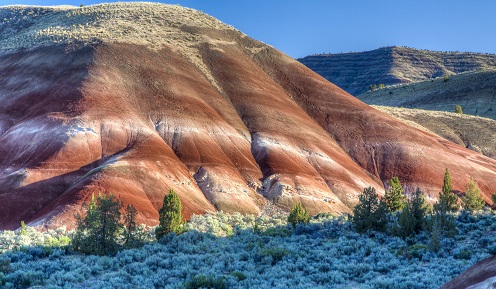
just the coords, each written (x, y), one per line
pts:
(370, 213)
(97, 233)
(110, 216)
(435, 239)
(298, 215)
(411, 218)
(23, 228)
(419, 209)
(442, 221)
(472, 200)
(447, 196)
(458, 109)
(170, 216)
(393, 197)
(493, 198)
(133, 235)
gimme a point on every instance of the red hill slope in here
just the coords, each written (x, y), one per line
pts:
(482, 275)
(135, 99)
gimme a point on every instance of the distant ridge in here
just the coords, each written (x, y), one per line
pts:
(356, 71)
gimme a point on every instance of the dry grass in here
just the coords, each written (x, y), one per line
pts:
(153, 25)
(476, 133)
(150, 24)
(474, 91)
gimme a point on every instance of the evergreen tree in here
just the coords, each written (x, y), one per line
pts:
(133, 235)
(435, 239)
(445, 222)
(370, 213)
(23, 228)
(458, 109)
(493, 198)
(170, 216)
(411, 218)
(86, 229)
(419, 210)
(298, 215)
(110, 225)
(472, 200)
(98, 232)
(447, 196)
(393, 197)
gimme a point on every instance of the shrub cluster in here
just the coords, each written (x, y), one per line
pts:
(410, 247)
(325, 253)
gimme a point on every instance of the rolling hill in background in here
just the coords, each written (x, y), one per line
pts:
(473, 132)
(135, 99)
(474, 91)
(356, 71)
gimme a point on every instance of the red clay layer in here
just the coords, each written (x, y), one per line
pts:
(134, 122)
(474, 276)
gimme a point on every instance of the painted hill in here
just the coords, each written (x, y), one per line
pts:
(356, 71)
(482, 275)
(138, 98)
(474, 91)
(473, 132)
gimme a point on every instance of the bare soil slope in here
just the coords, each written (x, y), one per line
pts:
(138, 98)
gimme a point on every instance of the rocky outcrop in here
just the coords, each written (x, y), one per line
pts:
(356, 71)
(135, 99)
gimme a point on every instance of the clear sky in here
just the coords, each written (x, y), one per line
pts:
(300, 28)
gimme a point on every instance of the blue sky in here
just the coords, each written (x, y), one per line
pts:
(300, 28)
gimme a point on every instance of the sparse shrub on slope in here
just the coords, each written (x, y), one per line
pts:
(370, 213)
(298, 215)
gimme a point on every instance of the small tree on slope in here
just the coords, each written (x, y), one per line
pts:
(447, 197)
(298, 215)
(472, 200)
(394, 196)
(170, 216)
